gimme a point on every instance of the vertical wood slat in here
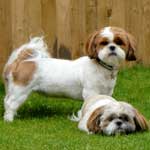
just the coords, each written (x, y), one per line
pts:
(26, 20)
(111, 12)
(78, 28)
(91, 15)
(103, 13)
(63, 36)
(145, 48)
(5, 31)
(133, 18)
(49, 23)
(18, 22)
(117, 17)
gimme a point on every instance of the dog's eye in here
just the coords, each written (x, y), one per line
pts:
(124, 117)
(103, 43)
(118, 41)
(111, 118)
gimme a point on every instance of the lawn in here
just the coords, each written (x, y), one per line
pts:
(42, 122)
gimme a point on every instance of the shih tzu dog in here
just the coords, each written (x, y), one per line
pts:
(103, 114)
(30, 68)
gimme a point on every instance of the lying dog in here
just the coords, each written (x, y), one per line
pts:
(30, 68)
(103, 114)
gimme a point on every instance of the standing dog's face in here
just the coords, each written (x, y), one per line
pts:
(116, 118)
(111, 45)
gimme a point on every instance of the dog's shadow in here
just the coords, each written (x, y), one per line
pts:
(41, 106)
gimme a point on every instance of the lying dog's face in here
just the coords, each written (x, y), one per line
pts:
(113, 122)
(119, 118)
(111, 45)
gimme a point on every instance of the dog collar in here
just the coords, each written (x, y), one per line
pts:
(109, 67)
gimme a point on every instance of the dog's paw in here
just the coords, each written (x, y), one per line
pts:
(8, 117)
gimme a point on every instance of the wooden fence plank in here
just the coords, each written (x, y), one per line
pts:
(5, 31)
(63, 9)
(145, 49)
(78, 28)
(104, 12)
(91, 15)
(18, 23)
(117, 17)
(134, 17)
(26, 20)
(49, 24)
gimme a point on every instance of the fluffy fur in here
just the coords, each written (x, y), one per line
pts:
(103, 114)
(30, 68)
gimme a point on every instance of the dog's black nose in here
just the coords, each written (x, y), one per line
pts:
(119, 123)
(112, 48)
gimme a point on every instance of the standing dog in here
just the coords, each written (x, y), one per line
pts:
(103, 114)
(30, 68)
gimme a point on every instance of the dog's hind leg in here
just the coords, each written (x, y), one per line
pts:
(14, 98)
(18, 84)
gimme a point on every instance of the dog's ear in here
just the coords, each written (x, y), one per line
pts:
(132, 48)
(90, 46)
(140, 122)
(93, 123)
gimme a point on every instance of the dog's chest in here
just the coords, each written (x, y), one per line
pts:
(105, 83)
(109, 82)
(100, 80)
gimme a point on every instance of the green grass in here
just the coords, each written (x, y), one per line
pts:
(42, 122)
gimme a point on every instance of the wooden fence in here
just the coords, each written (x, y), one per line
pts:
(67, 23)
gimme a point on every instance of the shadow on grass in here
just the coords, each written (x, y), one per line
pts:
(41, 106)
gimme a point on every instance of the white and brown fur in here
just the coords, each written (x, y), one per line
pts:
(104, 115)
(30, 68)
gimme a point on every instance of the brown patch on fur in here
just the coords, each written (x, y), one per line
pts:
(128, 42)
(121, 41)
(93, 123)
(25, 54)
(22, 71)
(90, 47)
(140, 122)
(105, 124)
(132, 48)
(100, 43)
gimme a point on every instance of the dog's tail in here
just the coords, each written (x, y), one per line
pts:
(76, 118)
(35, 48)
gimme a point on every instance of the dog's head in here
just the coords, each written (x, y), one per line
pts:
(111, 45)
(116, 118)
